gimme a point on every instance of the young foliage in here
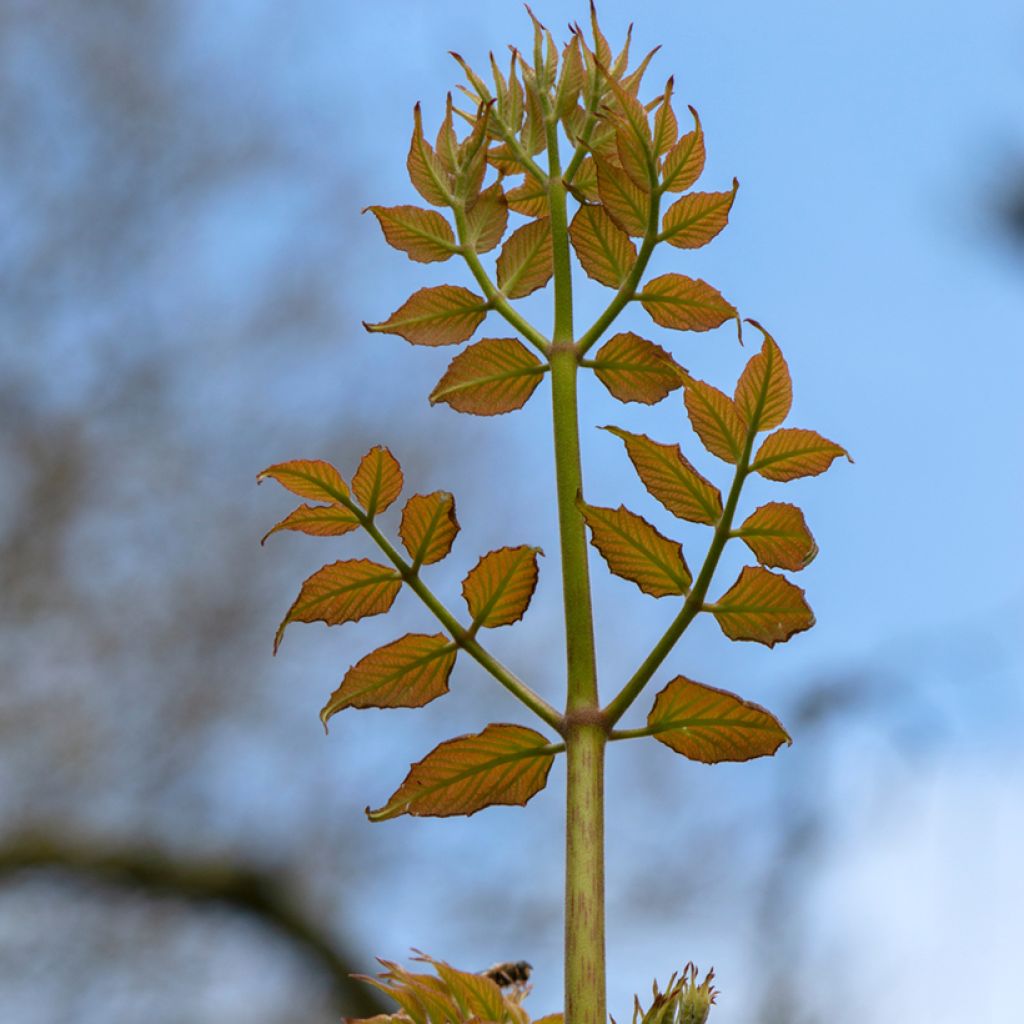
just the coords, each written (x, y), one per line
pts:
(593, 166)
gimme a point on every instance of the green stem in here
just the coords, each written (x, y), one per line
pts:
(498, 301)
(460, 635)
(694, 602)
(585, 735)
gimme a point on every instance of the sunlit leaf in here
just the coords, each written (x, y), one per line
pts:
(669, 477)
(446, 146)
(633, 143)
(666, 126)
(571, 80)
(584, 182)
(473, 158)
(378, 481)
(716, 420)
(604, 250)
(697, 218)
(628, 205)
(529, 199)
(777, 534)
(499, 587)
(685, 303)
(504, 764)
(445, 315)
(318, 521)
(426, 172)
(684, 162)
(762, 606)
(487, 219)
(407, 673)
(423, 235)
(636, 370)
(478, 997)
(526, 260)
(308, 478)
(636, 551)
(710, 725)
(343, 592)
(496, 375)
(790, 453)
(429, 527)
(764, 392)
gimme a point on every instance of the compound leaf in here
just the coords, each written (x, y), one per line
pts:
(499, 587)
(343, 592)
(526, 261)
(762, 606)
(496, 375)
(444, 315)
(378, 481)
(318, 521)
(604, 250)
(636, 551)
(685, 303)
(429, 527)
(716, 420)
(407, 673)
(487, 219)
(684, 162)
(504, 764)
(710, 725)
(697, 218)
(764, 392)
(636, 370)
(308, 478)
(423, 235)
(777, 534)
(790, 453)
(669, 477)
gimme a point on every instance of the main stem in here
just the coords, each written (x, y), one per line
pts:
(585, 733)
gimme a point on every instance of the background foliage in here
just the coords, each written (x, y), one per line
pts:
(183, 272)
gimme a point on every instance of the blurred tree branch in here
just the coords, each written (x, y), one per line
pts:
(256, 892)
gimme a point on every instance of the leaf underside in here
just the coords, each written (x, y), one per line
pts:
(494, 376)
(499, 587)
(762, 606)
(634, 369)
(429, 526)
(778, 536)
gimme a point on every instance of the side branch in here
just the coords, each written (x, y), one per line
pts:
(493, 295)
(460, 635)
(693, 604)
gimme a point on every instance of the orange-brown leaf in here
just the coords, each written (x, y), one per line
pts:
(496, 375)
(685, 303)
(634, 369)
(504, 764)
(426, 172)
(423, 235)
(343, 592)
(628, 205)
(526, 260)
(429, 527)
(684, 162)
(407, 673)
(604, 250)
(777, 534)
(499, 587)
(790, 453)
(636, 551)
(478, 997)
(669, 477)
(445, 315)
(487, 219)
(710, 725)
(762, 606)
(716, 420)
(318, 521)
(633, 145)
(697, 218)
(584, 182)
(666, 126)
(378, 481)
(529, 199)
(764, 392)
(308, 478)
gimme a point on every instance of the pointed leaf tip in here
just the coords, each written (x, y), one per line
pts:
(685, 303)
(443, 315)
(378, 481)
(764, 392)
(308, 478)
(791, 453)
